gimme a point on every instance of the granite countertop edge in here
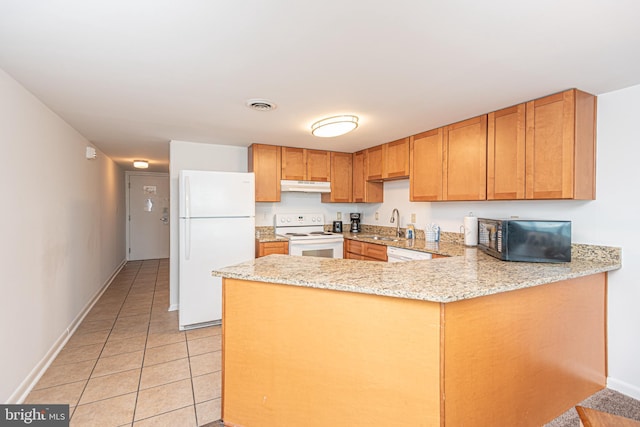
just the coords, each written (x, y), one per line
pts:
(467, 273)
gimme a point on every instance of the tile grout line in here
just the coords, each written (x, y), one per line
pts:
(144, 351)
(159, 385)
(105, 342)
(193, 391)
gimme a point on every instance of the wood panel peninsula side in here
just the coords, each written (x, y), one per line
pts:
(463, 340)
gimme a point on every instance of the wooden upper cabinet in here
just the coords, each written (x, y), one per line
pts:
(265, 163)
(426, 150)
(506, 131)
(294, 164)
(374, 163)
(341, 179)
(465, 160)
(318, 165)
(388, 161)
(301, 164)
(560, 146)
(395, 157)
(364, 191)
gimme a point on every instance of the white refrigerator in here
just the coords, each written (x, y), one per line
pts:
(217, 229)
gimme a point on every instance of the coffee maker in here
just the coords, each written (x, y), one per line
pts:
(355, 222)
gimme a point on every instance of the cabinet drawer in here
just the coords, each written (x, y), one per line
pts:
(268, 248)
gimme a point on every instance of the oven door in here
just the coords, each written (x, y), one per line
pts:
(327, 248)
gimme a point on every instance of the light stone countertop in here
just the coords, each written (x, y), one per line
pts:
(467, 273)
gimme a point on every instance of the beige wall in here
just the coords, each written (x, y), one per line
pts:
(62, 226)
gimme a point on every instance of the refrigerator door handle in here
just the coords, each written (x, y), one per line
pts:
(187, 197)
(187, 239)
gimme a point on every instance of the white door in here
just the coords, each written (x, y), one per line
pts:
(148, 217)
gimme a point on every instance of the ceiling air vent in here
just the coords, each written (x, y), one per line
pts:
(260, 104)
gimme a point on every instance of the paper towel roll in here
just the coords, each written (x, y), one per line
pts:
(470, 230)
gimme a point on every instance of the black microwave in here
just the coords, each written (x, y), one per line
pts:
(525, 240)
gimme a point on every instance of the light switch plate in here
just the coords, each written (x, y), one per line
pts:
(413, 218)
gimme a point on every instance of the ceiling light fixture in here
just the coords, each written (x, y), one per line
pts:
(140, 164)
(334, 126)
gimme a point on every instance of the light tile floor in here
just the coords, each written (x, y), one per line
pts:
(127, 364)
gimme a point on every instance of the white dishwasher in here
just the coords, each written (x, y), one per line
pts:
(401, 255)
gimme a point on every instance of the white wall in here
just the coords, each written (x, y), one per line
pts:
(63, 237)
(608, 220)
(195, 156)
(302, 203)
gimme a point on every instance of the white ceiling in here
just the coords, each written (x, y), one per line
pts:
(131, 75)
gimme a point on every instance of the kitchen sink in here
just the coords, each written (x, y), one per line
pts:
(383, 238)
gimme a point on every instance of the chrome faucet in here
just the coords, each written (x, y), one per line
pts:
(395, 213)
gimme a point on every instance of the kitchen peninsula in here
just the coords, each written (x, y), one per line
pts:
(464, 340)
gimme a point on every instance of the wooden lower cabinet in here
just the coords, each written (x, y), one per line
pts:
(364, 251)
(268, 248)
(301, 356)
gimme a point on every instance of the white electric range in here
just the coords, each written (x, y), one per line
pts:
(307, 236)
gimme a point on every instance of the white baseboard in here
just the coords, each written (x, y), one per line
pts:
(23, 390)
(624, 387)
(174, 307)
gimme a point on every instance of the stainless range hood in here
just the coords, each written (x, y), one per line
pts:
(287, 185)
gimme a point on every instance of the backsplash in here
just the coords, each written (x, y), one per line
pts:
(445, 236)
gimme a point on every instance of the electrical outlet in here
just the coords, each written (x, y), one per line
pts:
(377, 215)
(339, 216)
(413, 218)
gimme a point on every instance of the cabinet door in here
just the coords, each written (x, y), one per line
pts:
(318, 165)
(358, 176)
(294, 163)
(373, 164)
(364, 251)
(376, 252)
(506, 154)
(426, 160)
(560, 146)
(265, 163)
(364, 191)
(396, 159)
(341, 179)
(465, 160)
